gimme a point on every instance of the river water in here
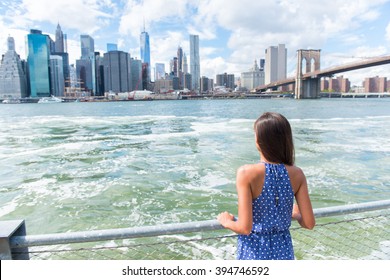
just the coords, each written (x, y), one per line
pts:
(82, 166)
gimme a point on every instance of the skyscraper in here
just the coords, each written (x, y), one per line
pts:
(38, 63)
(13, 83)
(275, 63)
(99, 74)
(226, 80)
(85, 66)
(185, 64)
(194, 61)
(180, 73)
(59, 43)
(136, 74)
(117, 71)
(179, 59)
(87, 46)
(61, 50)
(56, 75)
(145, 55)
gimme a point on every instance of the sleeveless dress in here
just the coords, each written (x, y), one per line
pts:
(270, 238)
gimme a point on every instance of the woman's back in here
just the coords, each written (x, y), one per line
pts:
(270, 237)
(272, 209)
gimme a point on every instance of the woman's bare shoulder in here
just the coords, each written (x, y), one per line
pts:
(294, 170)
(297, 177)
(251, 170)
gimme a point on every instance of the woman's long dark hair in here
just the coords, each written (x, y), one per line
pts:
(274, 137)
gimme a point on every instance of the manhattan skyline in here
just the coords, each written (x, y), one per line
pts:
(231, 35)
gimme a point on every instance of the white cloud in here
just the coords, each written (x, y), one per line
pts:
(19, 36)
(87, 16)
(165, 47)
(149, 12)
(388, 32)
(250, 27)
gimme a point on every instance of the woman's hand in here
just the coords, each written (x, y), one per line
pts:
(225, 218)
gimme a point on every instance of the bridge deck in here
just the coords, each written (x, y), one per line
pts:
(330, 71)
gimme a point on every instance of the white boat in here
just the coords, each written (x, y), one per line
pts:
(141, 95)
(11, 101)
(51, 99)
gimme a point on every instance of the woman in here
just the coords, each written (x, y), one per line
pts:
(266, 192)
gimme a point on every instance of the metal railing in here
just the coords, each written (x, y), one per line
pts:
(18, 245)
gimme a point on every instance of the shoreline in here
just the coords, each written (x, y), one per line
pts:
(159, 97)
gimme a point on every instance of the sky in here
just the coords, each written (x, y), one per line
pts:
(232, 34)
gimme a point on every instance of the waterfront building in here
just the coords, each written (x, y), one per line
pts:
(160, 71)
(375, 84)
(324, 84)
(145, 58)
(187, 81)
(253, 78)
(226, 80)
(163, 85)
(85, 66)
(211, 85)
(175, 83)
(275, 63)
(117, 71)
(59, 43)
(99, 74)
(13, 82)
(194, 61)
(339, 84)
(57, 82)
(206, 85)
(136, 74)
(38, 63)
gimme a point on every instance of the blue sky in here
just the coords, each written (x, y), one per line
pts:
(232, 33)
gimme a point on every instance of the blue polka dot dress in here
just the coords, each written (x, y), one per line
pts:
(270, 238)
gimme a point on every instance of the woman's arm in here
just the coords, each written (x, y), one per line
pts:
(303, 212)
(244, 223)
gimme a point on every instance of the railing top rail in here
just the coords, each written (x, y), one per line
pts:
(168, 229)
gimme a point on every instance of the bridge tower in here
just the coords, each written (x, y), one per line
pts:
(308, 88)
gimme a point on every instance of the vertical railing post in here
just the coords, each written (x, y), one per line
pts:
(7, 230)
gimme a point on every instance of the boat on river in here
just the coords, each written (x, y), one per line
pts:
(11, 101)
(51, 99)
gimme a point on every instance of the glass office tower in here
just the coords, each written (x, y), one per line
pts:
(117, 71)
(145, 53)
(194, 61)
(38, 63)
(85, 66)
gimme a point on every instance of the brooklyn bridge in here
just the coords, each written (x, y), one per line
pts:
(307, 85)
